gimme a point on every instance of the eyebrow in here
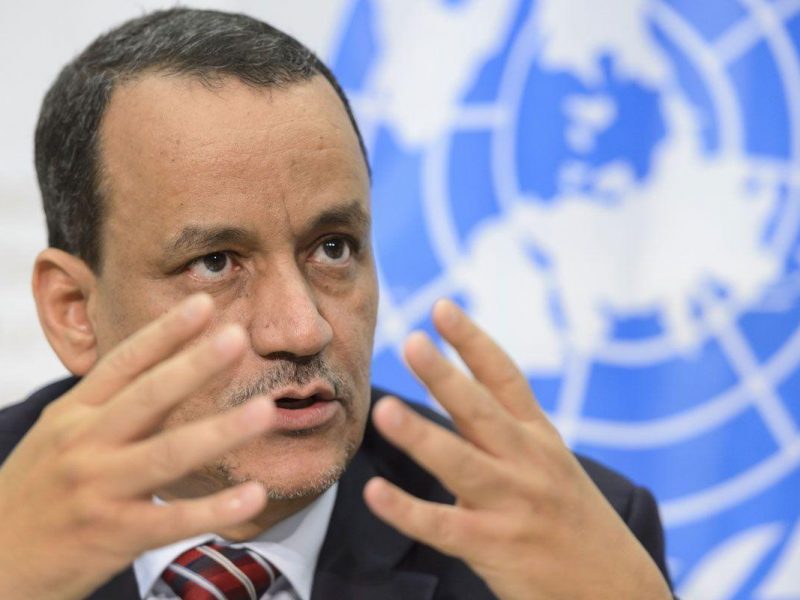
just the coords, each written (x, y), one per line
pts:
(195, 238)
(351, 214)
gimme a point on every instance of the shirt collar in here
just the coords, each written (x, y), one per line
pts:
(292, 545)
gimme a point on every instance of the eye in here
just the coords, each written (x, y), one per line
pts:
(333, 251)
(211, 267)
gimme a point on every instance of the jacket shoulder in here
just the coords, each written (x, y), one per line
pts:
(17, 419)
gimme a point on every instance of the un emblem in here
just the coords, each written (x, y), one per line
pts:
(611, 189)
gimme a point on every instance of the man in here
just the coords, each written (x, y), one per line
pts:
(210, 280)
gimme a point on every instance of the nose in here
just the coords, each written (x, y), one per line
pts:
(286, 317)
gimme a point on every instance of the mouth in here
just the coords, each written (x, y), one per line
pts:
(311, 406)
(290, 403)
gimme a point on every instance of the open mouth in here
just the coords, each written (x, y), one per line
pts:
(298, 403)
(307, 407)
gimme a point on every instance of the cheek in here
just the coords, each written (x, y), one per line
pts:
(125, 305)
(115, 318)
(356, 323)
(190, 410)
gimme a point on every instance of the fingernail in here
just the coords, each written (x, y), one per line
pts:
(449, 312)
(380, 491)
(252, 493)
(255, 414)
(246, 495)
(195, 305)
(394, 415)
(423, 346)
(228, 340)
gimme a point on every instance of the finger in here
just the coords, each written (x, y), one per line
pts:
(478, 416)
(182, 519)
(436, 525)
(468, 473)
(141, 407)
(167, 457)
(144, 349)
(487, 361)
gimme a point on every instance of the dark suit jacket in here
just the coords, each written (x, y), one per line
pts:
(361, 557)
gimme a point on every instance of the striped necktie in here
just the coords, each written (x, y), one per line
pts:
(215, 572)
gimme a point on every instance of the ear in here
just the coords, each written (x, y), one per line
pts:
(63, 286)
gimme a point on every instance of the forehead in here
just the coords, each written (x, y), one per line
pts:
(175, 151)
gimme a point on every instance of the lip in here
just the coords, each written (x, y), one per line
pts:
(324, 410)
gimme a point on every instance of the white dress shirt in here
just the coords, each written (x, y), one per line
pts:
(292, 545)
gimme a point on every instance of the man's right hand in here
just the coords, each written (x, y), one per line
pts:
(76, 493)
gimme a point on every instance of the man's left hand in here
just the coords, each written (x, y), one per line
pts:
(527, 517)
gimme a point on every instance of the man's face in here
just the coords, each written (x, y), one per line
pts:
(259, 197)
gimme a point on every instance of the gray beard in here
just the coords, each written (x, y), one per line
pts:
(292, 371)
(310, 489)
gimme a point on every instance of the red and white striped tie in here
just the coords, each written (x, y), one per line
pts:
(215, 572)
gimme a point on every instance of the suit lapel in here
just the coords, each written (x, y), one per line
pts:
(122, 587)
(395, 586)
(360, 556)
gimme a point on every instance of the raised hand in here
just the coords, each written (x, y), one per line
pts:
(76, 493)
(528, 519)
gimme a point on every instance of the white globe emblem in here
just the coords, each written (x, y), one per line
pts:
(693, 242)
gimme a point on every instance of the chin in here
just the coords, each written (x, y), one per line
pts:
(291, 468)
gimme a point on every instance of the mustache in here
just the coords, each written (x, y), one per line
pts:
(288, 373)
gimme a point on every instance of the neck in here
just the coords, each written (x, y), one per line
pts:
(275, 512)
